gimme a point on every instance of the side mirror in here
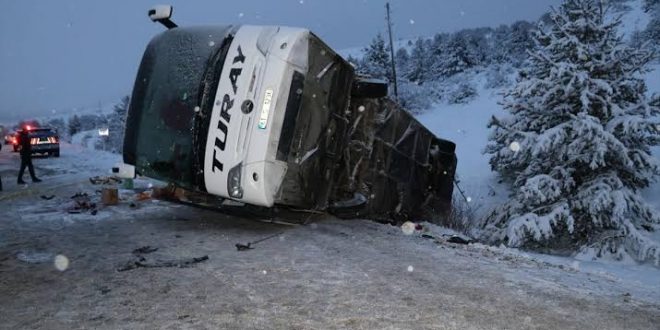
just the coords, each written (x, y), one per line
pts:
(162, 15)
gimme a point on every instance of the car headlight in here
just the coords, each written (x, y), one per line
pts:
(234, 182)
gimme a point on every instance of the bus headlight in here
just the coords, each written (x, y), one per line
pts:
(234, 182)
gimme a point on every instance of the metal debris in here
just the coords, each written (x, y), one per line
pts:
(143, 263)
(104, 180)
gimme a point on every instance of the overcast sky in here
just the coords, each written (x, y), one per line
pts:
(56, 55)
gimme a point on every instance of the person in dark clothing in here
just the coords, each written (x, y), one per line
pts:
(26, 157)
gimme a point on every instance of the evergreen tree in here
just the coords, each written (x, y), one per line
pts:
(649, 5)
(576, 145)
(651, 34)
(519, 42)
(456, 57)
(402, 59)
(75, 125)
(376, 61)
(117, 124)
(419, 63)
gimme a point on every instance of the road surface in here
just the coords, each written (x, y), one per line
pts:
(60, 271)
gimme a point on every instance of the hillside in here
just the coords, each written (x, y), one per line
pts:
(458, 106)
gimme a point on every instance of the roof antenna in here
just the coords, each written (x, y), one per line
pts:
(162, 14)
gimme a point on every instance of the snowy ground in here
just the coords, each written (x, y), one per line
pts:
(466, 124)
(328, 274)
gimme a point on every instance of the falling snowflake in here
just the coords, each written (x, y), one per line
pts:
(240, 15)
(197, 109)
(469, 199)
(411, 269)
(264, 272)
(61, 262)
(412, 21)
(211, 43)
(514, 146)
(302, 1)
(361, 108)
(462, 13)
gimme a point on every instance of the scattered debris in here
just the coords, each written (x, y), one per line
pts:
(627, 296)
(145, 250)
(104, 180)
(35, 257)
(47, 197)
(458, 240)
(142, 263)
(248, 246)
(110, 196)
(81, 203)
(143, 196)
(455, 239)
(243, 247)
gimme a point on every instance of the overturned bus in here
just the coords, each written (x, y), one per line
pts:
(266, 118)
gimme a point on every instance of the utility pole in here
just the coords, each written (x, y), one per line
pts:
(389, 30)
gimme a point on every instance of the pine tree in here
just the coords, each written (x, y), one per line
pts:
(376, 61)
(575, 147)
(117, 124)
(649, 5)
(75, 125)
(419, 63)
(456, 57)
(651, 34)
(402, 59)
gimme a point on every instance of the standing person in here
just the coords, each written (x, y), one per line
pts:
(26, 157)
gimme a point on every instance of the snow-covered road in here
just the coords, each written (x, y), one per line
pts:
(327, 274)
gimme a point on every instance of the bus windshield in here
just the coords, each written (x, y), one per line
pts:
(169, 91)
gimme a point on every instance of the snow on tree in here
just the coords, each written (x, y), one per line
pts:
(456, 58)
(575, 147)
(117, 124)
(402, 59)
(75, 125)
(519, 41)
(376, 60)
(649, 5)
(419, 63)
(651, 34)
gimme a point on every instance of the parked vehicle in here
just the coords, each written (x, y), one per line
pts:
(43, 141)
(12, 139)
